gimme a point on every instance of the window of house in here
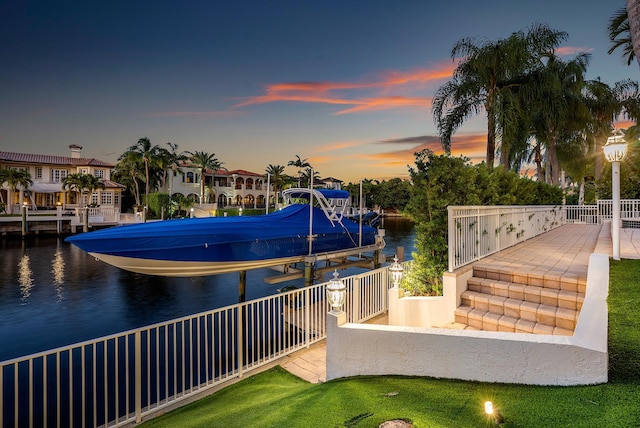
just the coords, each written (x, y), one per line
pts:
(99, 173)
(106, 198)
(94, 198)
(57, 175)
(189, 177)
(38, 173)
(116, 199)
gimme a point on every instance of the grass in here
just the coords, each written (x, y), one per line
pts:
(277, 398)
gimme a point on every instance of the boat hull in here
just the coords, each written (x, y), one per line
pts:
(208, 246)
(186, 268)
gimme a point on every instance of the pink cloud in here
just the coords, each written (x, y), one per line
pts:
(333, 93)
(571, 50)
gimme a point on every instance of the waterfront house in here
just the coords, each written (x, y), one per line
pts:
(48, 172)
(222, 188)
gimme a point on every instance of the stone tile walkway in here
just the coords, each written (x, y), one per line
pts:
(565, 251)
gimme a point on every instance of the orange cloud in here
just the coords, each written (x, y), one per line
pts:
(324, 92)
(339, 146)
(374, 104)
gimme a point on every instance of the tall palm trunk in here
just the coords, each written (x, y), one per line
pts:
(552, 162)
(538, 160)
(491, 137)
(633, 12)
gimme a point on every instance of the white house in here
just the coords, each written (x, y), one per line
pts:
(47, 173)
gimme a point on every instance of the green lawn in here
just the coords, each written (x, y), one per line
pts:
(278, 399)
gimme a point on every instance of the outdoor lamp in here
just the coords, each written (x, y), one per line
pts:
(615, 151)
(336, 293)
(396, 270)
(616, 147)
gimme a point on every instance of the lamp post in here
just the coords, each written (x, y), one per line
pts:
(396, 270)
(615, 151)
(336, 293)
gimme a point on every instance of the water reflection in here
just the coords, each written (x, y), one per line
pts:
(57, 269)
(25, 277)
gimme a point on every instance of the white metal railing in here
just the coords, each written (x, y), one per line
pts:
(477, 231)
(603, 210)
(118, 379)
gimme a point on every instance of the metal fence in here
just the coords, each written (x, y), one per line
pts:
(118, 379)
(603, 210)
(478, 231)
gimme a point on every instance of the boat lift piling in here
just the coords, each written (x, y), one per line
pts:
(242, 287)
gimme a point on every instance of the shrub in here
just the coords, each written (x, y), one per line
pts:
(442, 180)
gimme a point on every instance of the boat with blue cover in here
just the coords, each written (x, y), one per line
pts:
(314, 222)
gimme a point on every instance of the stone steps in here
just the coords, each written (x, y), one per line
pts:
(500, 299)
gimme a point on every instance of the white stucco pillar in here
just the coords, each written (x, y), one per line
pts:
(395, 311)
(334, 321)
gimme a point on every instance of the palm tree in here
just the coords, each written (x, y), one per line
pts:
(169, 160)
(74, 183)
(276, 173)
(557, 105)
(129, 171)
(485, 79)
(3, 179)
(82, 183)
(301, 164)
(16, 178)
(620, 34)
(149, 156)
(606, 104)
(307, 174)
(205, 161)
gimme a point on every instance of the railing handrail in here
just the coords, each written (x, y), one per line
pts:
(478, 231)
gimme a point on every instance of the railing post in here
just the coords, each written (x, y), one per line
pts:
(138, 386)
(239, 339)
(450, 225)
(307, 317)
(355, 300)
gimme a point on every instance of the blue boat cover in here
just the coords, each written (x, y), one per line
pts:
(279, 234)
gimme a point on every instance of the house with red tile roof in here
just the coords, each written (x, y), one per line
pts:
(48, 172)
(223, 188)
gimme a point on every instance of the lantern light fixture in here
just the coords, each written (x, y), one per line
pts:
(396, 271)
(336, 293)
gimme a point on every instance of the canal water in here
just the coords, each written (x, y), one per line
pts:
(53, 294)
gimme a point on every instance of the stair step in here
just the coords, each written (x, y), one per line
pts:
(550, 314)
(531, 293)
(568, 281)
(467, 317)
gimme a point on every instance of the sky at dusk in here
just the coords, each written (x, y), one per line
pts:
(345, 84)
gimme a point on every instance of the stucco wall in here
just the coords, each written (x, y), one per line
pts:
(362, 349)
(433, 311)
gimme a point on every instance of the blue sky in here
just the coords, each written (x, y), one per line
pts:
(346, 84)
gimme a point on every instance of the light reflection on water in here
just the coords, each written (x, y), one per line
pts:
(53, 294)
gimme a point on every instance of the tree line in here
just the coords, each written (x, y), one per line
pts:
(540, 108)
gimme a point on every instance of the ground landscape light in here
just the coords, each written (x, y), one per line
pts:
(336, 293)
(492, 413)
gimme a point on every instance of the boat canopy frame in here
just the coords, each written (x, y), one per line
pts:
(334, 203)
